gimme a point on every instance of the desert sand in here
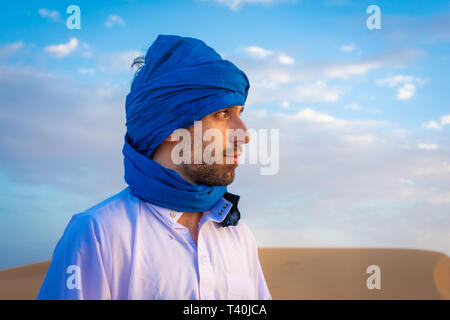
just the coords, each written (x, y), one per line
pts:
(310, 273)
(341, 273)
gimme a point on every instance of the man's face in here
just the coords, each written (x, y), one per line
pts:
(220, 173)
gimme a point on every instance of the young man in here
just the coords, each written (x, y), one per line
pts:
(174, 232)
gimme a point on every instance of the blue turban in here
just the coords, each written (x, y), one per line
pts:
(182, 81)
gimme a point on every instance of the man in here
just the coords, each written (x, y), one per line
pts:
(174, 232)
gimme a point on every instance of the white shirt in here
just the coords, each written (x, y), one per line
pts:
(126, 248)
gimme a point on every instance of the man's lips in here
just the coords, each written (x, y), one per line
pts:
(234, 156)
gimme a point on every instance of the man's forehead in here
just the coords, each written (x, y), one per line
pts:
(238, 107)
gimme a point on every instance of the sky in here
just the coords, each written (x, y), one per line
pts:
(363, 115)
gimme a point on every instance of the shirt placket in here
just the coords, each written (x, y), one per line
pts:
(205, 269)
(186, 236)
(181, 231)
(206, 275)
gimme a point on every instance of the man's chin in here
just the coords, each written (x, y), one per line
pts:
(224, 175)
(211, 174)
(231, 160)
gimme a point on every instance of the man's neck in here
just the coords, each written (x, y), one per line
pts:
(191, 221)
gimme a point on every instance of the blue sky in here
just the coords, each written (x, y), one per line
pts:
(364, 115)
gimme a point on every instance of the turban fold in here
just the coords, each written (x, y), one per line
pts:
(181, 81)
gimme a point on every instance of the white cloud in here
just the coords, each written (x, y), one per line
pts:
(314, 93)
(400, 79)
(349, 69)
(50, 14)
(352, 106)
(444, 121)
(280, 79)
(236, 4)
(427, 146)
(360, 141)
(284, 59)
(407, 181)
(407, 89)
(13, 46)
(440, 198)
(285, 104)
(257, 52)
(261, 53)
(406, 92)
(118, 61)
(86, 50)
(6, 73)
(271, 73)
(360, 67)
(64, 49)
(306, 81)
(321, 84)
(439, 169)
(311, 115)
(348, 48)
(87, 71)
(113, 20)
(9, 49)
(432, 125)
(279, 89)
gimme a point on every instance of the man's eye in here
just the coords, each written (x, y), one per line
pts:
(222, 114)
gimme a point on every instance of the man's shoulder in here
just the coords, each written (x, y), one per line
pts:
(243, 232)
(242, 227)
(116, 201)
(114, 210)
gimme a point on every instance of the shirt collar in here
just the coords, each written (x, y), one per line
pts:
(234, 215)
(217, 213)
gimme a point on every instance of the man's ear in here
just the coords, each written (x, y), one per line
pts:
(170, 138)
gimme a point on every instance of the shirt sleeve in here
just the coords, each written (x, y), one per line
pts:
(262, 290)
(78, 269)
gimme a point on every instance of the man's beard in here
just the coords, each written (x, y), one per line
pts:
(210, 174)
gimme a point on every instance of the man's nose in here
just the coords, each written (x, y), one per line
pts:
(240, 127)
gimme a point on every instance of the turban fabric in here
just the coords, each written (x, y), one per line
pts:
(182, 81)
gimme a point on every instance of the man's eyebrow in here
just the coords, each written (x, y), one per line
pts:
(233, 107)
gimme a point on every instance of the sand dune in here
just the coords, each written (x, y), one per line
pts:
(341, 273)
(22, 282)
(310, 273)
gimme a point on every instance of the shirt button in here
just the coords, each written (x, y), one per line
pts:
(226, 205)
(204, 260)
(220, 211)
